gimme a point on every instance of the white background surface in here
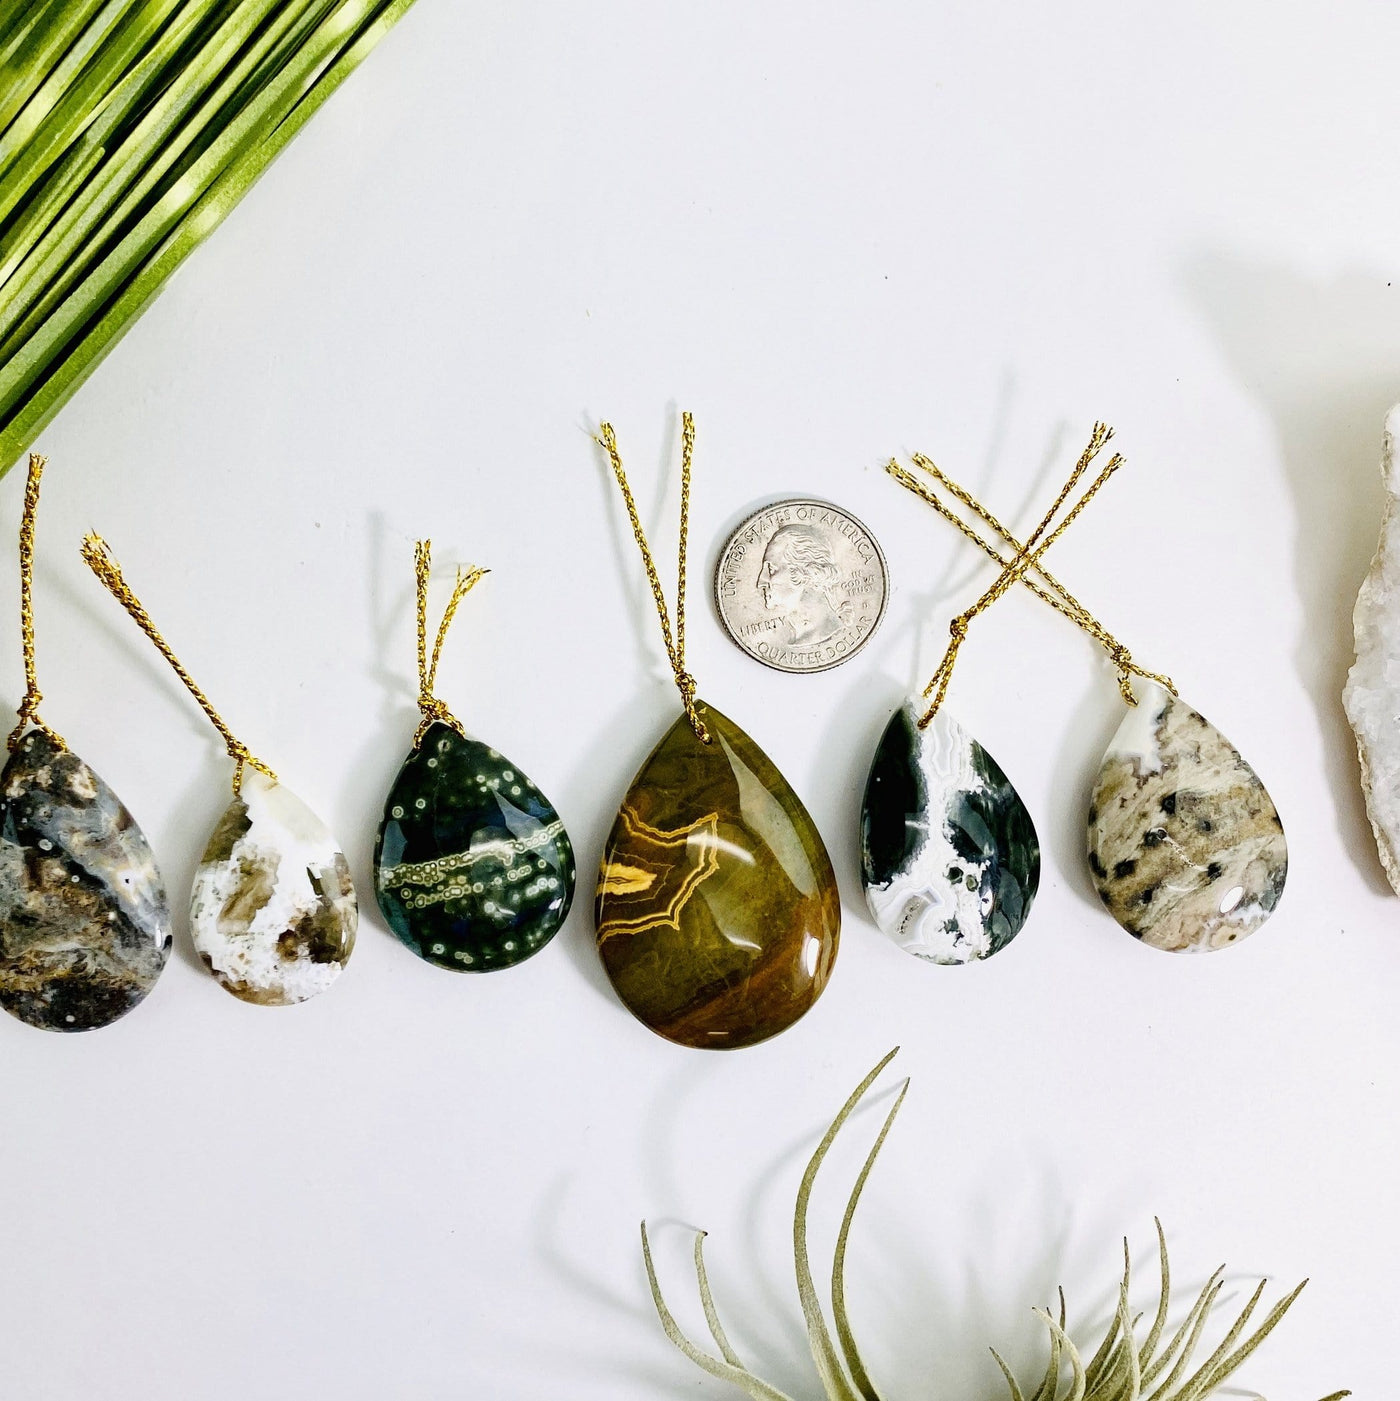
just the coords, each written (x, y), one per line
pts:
(835, 233)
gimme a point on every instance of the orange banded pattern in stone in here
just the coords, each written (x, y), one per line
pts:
(717, 911)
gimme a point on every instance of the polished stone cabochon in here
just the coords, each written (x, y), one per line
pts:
(717, 912)
(473, 868)
(84, 920)
(1185, 845)
(273, 910)
(949, 854)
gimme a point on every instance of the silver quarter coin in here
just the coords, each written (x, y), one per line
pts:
(801, 585)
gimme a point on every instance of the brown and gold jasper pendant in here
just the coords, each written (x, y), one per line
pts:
(717, 913)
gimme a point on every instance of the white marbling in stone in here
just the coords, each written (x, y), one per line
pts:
(273, 911)
(949, 854)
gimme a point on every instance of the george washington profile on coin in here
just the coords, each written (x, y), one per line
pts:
(796, 579)
(800, 585)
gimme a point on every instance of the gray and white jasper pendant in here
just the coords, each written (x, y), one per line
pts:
(1185, 844)
(949, 854)
(84, 921)
(273, 911)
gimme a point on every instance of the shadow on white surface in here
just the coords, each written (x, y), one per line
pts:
(1323, 360)
(658, 508)
(1077, 759)
(968, 570)
(369, 775)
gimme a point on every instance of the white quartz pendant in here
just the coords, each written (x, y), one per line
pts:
(273, 911)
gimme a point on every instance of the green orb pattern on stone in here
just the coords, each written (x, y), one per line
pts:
(473, 868)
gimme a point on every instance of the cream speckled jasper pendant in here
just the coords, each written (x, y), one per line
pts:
(1185, 845)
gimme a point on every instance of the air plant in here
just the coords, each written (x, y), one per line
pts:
(128, 130)
(1127, 1365)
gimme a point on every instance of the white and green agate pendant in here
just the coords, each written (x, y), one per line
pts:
(949, 855)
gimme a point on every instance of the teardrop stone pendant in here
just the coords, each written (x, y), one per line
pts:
(273, 911)
(84, 922)
(473, 867)
(1185, 844)
(717, 913)
(949, 853)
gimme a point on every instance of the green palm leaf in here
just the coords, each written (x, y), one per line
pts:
(128, 131)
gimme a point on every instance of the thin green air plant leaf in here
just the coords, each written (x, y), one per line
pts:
(1128, 1365)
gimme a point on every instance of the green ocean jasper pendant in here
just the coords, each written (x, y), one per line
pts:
(473, 868)
(717, 913)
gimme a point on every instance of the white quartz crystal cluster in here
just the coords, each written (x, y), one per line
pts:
(1372, 695)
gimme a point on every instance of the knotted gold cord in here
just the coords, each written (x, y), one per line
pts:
(1056, 595)
(29, 706)
(675, 645)
(98, 558)
(433, 709)
(1027, 557)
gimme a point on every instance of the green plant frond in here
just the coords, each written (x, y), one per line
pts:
(1183, 1344)
(128, 130)
(1200, 1382)
(824, 1354)
(1016, 1393)
(39, 54)
(20, 132)
(1122, 1369)
(1133, 1380)
(1050, 1382)
(1159, 1321)
(1121, 1379)
(1222, 1364)
(724, 1370)
(1122, 1360)
(1063, 1344)
(1103, 1358)
(707, 1302)
(859, 1375)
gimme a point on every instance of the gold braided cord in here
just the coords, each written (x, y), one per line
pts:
(1056, 595)
(1026, 557)
(467, 579)
(675, 644)
(29, 706)
(98, 557)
